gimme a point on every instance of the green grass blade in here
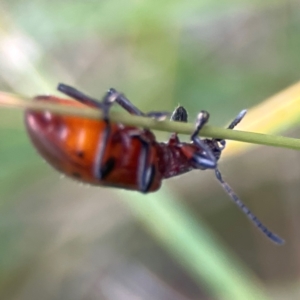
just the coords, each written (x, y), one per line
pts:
(195, 247)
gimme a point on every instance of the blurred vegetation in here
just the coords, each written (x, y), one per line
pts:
(62, 240)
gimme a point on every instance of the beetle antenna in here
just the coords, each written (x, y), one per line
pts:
(238, 119)
(273, 237)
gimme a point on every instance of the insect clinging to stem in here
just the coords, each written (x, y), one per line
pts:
(101, 152)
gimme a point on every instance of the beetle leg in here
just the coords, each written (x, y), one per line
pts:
(115, 96)
(236, 121)
(110, 97)
(85, 99)
(204, 159)
(79, 96)
(146, 170)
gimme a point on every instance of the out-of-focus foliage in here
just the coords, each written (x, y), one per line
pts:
(61, 240)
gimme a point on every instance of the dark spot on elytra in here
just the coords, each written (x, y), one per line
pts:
(76, 174)
(106, 168)
(80, 154)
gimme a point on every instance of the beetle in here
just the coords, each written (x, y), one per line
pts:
(101, 152)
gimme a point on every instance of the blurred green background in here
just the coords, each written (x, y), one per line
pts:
(63, 240)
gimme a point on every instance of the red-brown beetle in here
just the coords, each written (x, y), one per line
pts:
(100, 152)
